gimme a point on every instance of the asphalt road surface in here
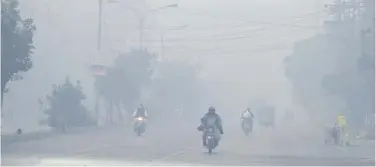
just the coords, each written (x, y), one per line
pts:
(180, 144)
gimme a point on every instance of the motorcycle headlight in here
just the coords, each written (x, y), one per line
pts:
(139, 118)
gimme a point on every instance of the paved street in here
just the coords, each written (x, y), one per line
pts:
(180, 145)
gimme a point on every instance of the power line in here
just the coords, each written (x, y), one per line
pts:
(246, 22)
(281, 46)
(213, 37)
(218, 48)
(243, 32)
(210, 39)
(254, 23)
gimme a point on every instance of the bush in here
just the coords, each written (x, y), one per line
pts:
(65, 109)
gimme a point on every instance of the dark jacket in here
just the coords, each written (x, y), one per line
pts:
(140, 112)
(217, 121)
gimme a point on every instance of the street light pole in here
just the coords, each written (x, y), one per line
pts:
(99, 40)
(100, 3)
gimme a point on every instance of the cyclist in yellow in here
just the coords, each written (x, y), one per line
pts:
(341, 121)
(341, 124)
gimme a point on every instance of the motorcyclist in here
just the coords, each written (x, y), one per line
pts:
(140, 112)
(211, 118)
(247, 116)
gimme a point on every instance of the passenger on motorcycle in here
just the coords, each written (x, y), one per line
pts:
(247, 115)
(211, 119)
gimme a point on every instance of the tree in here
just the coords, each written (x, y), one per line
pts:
(335, 70)
(125, 80)
(17, 43)
(65, 108)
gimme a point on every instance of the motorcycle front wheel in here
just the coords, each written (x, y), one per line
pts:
(210, 146)
(246, 132)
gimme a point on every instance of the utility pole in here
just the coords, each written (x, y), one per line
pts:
(368, 65)
(100, 4)
(99, 40)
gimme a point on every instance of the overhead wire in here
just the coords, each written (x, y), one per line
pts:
(217, 48)
(211, 38)
(220, 49)
(244, 24)
(247, 22)
(250, 23)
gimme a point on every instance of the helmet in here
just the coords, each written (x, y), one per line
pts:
(211, 110)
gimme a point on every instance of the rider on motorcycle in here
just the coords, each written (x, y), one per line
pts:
(211, 119)
(140, 112)
(247, 115)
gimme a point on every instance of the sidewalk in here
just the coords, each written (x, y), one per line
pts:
(9, 138)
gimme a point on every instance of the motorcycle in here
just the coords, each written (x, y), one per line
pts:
(211, 142)
(247, 126)
(139, 126)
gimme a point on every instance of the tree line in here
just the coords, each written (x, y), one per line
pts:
(171, 84)
(333, 72)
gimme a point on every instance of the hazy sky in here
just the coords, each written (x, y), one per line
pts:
(241, 44)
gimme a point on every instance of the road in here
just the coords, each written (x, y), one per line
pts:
(179, 144)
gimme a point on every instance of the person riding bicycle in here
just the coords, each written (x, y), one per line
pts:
(339, 127)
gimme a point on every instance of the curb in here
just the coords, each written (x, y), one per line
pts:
(7, 139)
